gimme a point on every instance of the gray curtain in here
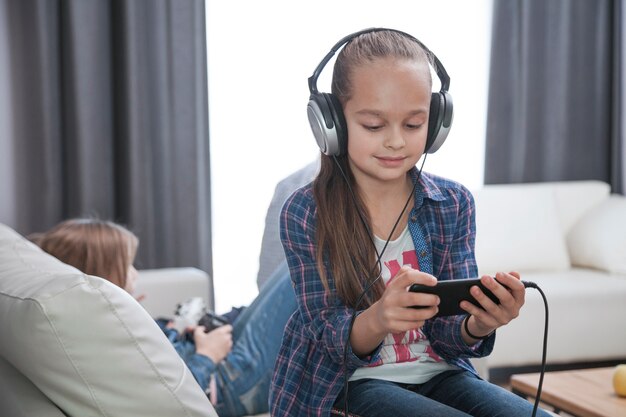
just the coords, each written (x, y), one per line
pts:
(109, 118)
(556, 92)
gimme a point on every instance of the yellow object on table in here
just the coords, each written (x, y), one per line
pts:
(619, 380)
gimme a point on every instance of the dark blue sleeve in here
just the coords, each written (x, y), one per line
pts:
(201, 366)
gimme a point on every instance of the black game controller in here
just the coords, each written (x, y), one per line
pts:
(451, 293)
(212, 321)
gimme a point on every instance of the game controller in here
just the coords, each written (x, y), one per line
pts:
(451, 293)
(193, 312)
(212, 321)
(188, 313)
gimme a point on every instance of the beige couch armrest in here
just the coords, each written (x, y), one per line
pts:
(166, 287)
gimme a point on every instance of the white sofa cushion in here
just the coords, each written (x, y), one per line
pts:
(575, 198)
(517, 229)
(587, 311)
(164, 288)
(83, 343)
(598, 239)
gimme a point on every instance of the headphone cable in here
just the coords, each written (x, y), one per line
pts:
(530, 284)
(377, 263)
(527, 284)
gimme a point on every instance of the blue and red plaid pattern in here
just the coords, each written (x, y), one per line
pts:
(308, 375)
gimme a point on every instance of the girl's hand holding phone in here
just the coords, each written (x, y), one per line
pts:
(509, 289)
(392, 311)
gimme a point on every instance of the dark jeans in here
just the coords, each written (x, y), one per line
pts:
(243, 378)
(449, 394)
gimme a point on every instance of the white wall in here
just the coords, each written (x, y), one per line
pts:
(260, 55)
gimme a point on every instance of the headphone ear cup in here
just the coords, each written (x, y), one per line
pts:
(339, 120)
(439, 120)
(327, 123)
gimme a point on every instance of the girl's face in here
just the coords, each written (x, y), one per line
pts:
(387, 118)
(131, 280)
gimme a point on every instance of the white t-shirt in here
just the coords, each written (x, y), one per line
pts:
(405, 357)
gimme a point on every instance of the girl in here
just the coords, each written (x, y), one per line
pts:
(233, 364)
(399, 361)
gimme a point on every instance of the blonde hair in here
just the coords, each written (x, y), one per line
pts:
(96, 247)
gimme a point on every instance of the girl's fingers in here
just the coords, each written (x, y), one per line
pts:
(510, 292)
(407, 276)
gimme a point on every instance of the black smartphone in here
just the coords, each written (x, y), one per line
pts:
(451, 293)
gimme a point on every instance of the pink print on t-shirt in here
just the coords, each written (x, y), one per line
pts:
(413, 344)
(409, 258)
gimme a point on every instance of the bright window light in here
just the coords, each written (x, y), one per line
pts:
(260, 55)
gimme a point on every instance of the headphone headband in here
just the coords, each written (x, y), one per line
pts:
(442, 74)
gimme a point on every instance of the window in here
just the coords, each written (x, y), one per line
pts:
(260, 55)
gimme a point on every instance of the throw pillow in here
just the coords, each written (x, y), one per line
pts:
(598, 239)
(517, 229)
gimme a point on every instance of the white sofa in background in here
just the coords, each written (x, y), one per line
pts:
(77, 345)
(570, 239)
(163, 289)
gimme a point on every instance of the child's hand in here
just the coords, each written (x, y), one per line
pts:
(216, 344)
(393, 309)
(510, 291)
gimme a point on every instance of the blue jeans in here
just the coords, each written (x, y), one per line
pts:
(449, 394)
(243, 377)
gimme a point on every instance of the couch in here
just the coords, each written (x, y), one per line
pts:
(77, 345)
(570, 239)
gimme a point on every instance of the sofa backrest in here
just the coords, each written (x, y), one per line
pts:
(575, 198)
(162, 289)
(523, 227)
(77, 345)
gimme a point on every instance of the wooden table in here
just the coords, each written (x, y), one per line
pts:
(583, 393)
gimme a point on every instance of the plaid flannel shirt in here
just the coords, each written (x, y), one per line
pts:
(308, 375)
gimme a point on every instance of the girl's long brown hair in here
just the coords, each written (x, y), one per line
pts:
(95, 247)
(342, 238)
